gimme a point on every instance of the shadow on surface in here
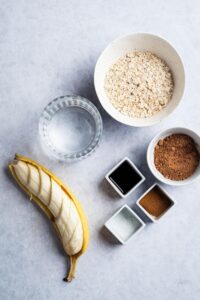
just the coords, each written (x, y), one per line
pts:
(107, 237)
(141, 214)
(85, 87)
(107, 189)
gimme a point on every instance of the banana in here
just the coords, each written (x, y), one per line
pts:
(58, 203)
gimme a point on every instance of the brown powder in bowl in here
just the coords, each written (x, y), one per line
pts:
(155, 202)
(176, 156)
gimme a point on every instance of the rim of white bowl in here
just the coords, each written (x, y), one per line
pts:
(150, 152)
(121, 118)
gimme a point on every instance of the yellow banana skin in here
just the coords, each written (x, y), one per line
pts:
(53, 212)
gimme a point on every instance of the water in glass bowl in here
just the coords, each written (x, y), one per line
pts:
(70, 127)
(71, 130)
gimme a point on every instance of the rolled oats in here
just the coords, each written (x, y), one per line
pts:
(139, 84)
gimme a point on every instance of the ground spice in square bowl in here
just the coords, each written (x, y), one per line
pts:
(155, 202)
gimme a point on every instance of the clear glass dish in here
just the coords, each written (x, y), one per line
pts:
(70, 128)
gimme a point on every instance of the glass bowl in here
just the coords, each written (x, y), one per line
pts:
(70, 128)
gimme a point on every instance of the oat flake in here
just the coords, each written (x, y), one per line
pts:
(139, 84)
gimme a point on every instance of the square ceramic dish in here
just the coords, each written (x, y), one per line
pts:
(124, 224)
(151, 217)
(125, 177)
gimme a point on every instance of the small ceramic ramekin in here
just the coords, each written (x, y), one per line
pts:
(150, 155)
(124, 224)
(139, 42)
(152, 218)
(114, 185)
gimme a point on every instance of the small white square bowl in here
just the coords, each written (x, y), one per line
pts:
(124, 224)
(152, 218)
(135, 169)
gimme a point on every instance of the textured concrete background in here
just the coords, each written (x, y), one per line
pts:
(48, 48)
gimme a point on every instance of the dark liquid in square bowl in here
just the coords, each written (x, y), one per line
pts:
(125, 177)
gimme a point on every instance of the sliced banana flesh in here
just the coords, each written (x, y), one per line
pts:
(45, 187)
(34, 180)
(22, 171)
(52, 195)
(56, 198)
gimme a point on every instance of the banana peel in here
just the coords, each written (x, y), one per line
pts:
(72, 258)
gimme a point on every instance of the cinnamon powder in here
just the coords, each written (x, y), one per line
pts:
(176, 156)
(155, 202)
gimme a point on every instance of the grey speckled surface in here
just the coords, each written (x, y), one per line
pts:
(46, 49)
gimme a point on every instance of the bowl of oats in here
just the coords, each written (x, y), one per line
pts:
(139, 79)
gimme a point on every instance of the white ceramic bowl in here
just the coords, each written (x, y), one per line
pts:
(150, 155)
(139, 42)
